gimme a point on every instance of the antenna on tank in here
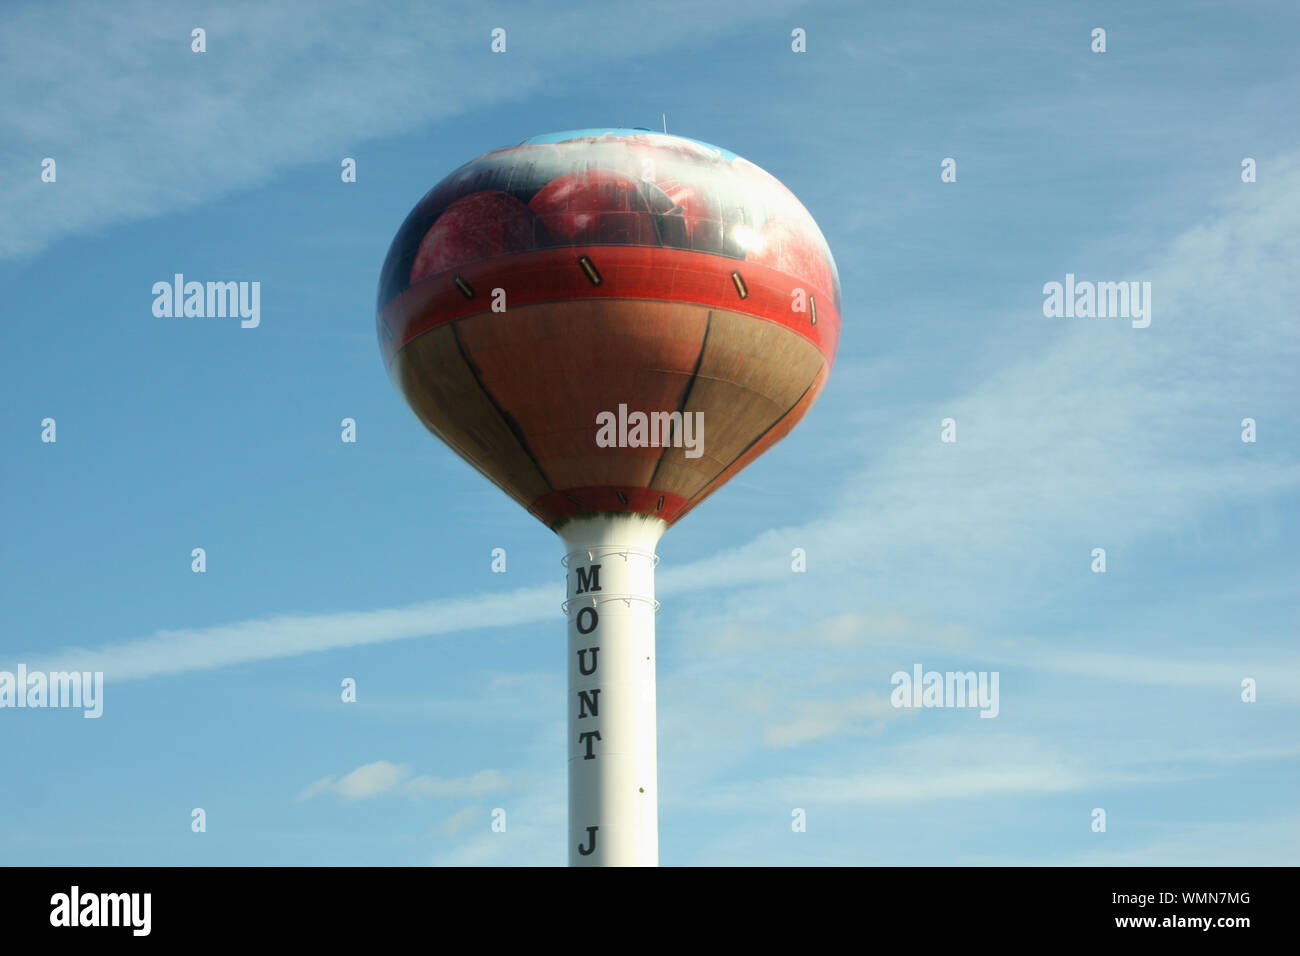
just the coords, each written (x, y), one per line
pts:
(665, 116)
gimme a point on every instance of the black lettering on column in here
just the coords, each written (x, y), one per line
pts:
(587, 738)
(594, 619)
(591, 700)
(582, 661)
(591, 838)
(588, 582)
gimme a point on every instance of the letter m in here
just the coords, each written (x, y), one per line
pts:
(1116, 299)
(588, 579)
(65, 689)
(221, 299)
(120, 907)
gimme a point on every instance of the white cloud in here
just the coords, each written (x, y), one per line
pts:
(384, 777)
(463, 820)
(371, 780)
(535, 824)
(323, 785)
(939, 767)
(825, 717)
(261, 639)
(483, 782)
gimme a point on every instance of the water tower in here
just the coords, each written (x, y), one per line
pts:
(609, 324)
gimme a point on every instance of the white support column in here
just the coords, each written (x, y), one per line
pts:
(613, 748)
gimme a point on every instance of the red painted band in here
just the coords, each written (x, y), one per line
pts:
(626, 272)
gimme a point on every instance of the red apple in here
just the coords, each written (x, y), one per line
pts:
(597, 205)
(477, 226)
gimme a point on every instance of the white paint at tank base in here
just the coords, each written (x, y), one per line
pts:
(613, 746)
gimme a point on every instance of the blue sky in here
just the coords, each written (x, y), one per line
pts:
(372, 561)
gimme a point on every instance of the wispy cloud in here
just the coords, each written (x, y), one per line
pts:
(462, 820)
(533, 824)
(960, 766)
(383, 777)
(827, 716)
(483, 782)
(139, 125)
(281, 636)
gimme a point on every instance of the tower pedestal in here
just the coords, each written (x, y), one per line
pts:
(613, 760)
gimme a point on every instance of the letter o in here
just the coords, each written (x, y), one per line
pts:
(595, 619)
